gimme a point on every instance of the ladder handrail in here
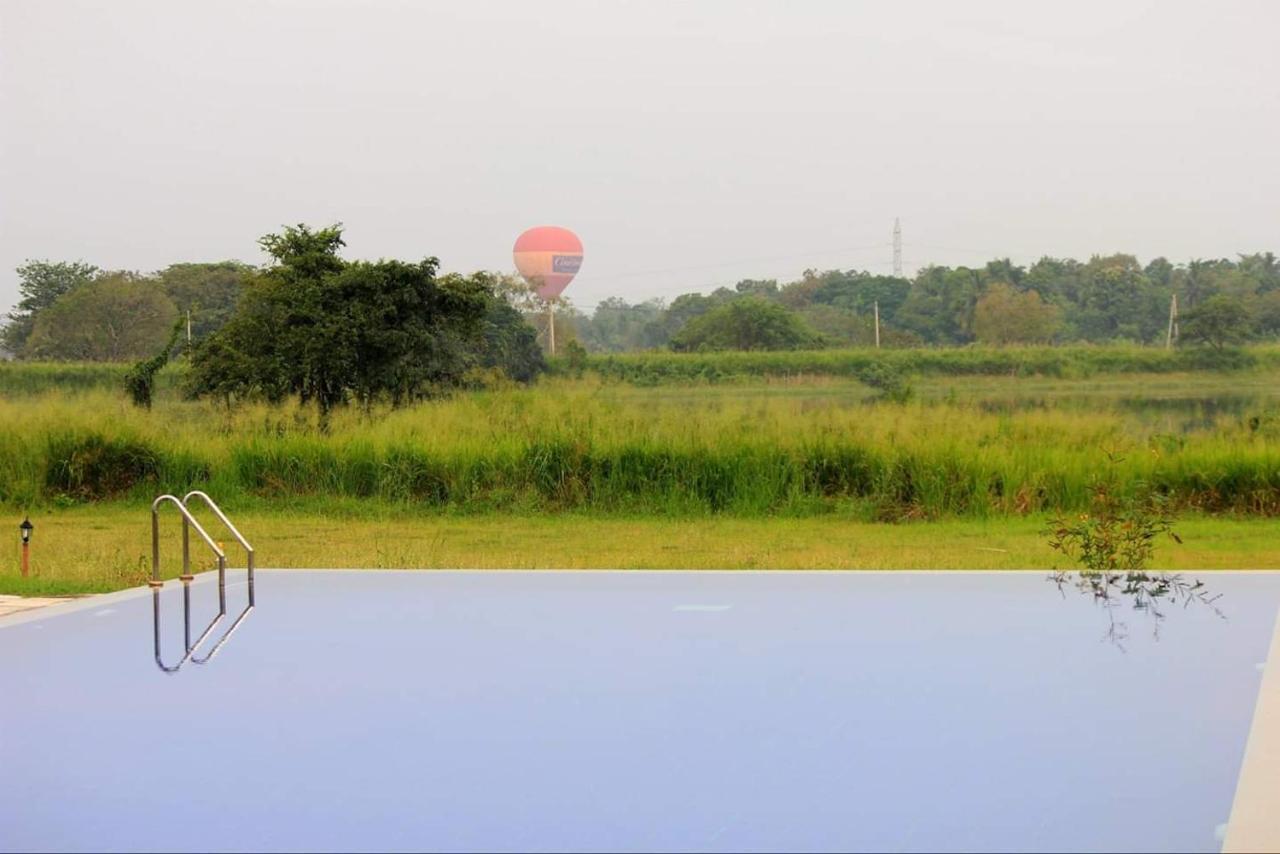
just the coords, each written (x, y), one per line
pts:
(188, 522)
(222, 517)
(222, 594)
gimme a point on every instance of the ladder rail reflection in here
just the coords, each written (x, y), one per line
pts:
(156, 583)
(222, 598)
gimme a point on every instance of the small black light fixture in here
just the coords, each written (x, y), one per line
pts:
(26, 528)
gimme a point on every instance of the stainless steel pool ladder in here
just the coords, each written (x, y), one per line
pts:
(156, 583)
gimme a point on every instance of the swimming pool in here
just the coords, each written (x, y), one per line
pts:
(636, 711)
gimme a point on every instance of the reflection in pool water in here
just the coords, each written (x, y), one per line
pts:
(653, 710)
(1145, 593)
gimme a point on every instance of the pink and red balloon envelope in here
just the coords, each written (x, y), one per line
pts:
(548, 257)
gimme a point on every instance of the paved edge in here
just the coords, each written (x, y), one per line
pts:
(1255, 819)
(71, 606)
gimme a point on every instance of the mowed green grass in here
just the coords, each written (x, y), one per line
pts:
(97, 549)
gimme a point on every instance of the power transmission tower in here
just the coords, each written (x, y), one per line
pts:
(897, 248)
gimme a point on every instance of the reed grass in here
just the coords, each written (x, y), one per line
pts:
(600, 448)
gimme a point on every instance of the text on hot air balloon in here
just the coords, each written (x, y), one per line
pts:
(565, 263)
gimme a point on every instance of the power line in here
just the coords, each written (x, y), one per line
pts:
(738, 261)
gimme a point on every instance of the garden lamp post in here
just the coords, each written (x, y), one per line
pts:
(26, 528)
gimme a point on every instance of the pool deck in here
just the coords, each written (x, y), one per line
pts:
(19, 604)
(1255, 814)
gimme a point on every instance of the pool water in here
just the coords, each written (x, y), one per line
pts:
(373, 710)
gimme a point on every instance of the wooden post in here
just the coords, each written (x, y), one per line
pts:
(876, 304)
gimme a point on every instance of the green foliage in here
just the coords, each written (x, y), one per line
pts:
(40, 284)
(1219, 321)
(209, 291)
(331, 331)
(28, 378)
(575, 357)
(1107, 299)
(582, 445)
(94, 467)
(510, 344)
(1069, 362)
(750, 323)
(1119, 530)
(1004, 315)
(139, 382)
(889, 381)
(615, 326)
(114, 318)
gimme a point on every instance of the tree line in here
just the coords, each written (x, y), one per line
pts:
(1111, 298)
(76, 311)
(309, 324)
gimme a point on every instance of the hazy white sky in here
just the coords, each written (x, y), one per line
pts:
(688, 144)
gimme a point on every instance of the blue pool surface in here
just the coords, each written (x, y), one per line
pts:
(682, 711)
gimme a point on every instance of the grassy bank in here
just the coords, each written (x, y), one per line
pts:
(107, 547)
(661, 367)
(653, 368)
(587, 447)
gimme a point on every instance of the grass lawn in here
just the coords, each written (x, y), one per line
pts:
(107, 547)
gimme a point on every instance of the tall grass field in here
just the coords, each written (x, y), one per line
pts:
(597, 447)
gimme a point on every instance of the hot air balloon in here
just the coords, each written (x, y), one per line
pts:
(548, 257)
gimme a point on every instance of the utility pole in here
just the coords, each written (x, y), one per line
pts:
(1173, 323)
(551, 325)
(876, 306)
(188, 329)
(897, 248)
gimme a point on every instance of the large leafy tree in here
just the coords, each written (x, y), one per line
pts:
(1005, 315)
(939, 305)
(40, 284)
(209, 291)
(331, 331)
(616, 325)
(509, 343)
(749, 323)
(1115, 300)
(1219, 321)
(115, 317)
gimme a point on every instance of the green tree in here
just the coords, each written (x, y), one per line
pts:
(1115, 300)
(330, 331)
(140, 381)
(749, 323)
(1005, 315)
(510, 344)
(40, 284)
(117, 317)
(1219, 321)
(939, 305)
(209, 291)
(616, 326)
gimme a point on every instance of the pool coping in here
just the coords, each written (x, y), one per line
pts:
(1254, 824)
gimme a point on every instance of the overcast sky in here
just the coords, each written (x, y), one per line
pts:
(688, 144)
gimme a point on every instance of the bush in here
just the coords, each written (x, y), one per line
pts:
(95, 467)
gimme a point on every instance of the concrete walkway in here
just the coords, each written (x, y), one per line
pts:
(1255, 815)
(18, 604)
